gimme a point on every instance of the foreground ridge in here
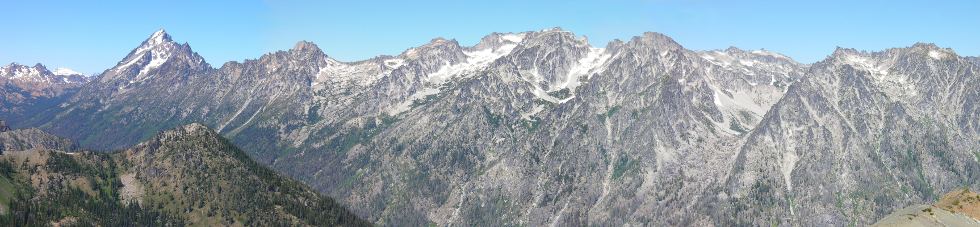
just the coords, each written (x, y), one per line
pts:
(185, 176)
(957, 208)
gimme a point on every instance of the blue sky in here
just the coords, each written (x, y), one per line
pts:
(91, 37)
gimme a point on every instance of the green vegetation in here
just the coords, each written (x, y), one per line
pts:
(735, 126)
(7, 187)
(492, 118)
(532, 125)
(344, 142)
(73, 193)
(564, 93)
(313, 114)
(612, 111)
(623, 164)
(609, 113)
(190, 185)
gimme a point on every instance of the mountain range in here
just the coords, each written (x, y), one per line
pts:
(542, 128)
(25, 90)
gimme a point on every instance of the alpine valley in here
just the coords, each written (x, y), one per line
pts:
(532, 128)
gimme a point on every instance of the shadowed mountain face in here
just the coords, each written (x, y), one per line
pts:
(189, 175)
(541, 127)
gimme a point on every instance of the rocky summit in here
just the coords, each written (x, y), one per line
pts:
(544, 128)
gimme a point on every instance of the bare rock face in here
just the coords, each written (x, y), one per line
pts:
(543, 128)
(880, 130)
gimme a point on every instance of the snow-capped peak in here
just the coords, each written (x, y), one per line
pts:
(516, 38)
(857, 59)
(765, 52)
(933, 51)
(65, 72)
(158, 37)
(153, 53)
(476, 58)
(158, 44)
(14, 70)
(40, 74)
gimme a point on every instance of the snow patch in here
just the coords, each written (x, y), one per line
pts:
(591, 63)
(362, 74)
(746, 63)
(718, 58)
(541, 94)
(517, 38)
(708, 57)
(476, 60)
(65, 72)
(769, 53)
(938, 55)
(585, 68)
(864, 63)
(158, 59)
(127, 64)
(23, 72)
(157, 38)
